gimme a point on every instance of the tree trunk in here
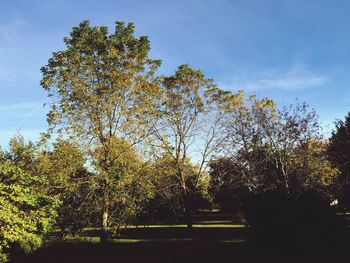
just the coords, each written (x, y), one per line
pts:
(188, 211)
(104, 221)
(104, 227)
(189, 218)
(105, 206)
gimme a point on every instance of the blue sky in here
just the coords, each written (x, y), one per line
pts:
(280, 49)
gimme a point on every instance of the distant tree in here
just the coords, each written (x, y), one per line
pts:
(338, 149)
(338, 153)
(103, 87)
(168, 193)
(168, 199)
(23, 154)
(27, 211)
(276, 148)
(63, 166)
(244, 143)
(311, 167)
(279, 158)
(226, 183)
(130, 184)
(188, 129)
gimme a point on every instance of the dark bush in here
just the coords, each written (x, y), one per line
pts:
(282, 224)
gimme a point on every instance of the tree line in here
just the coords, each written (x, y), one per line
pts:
(125, 144)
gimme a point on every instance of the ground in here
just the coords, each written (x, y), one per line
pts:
(211, 240)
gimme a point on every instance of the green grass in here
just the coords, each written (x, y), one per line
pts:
(164, 233)
(214, 225)
(219, 226)
(233, 241)
(343, 213)
(95, 240)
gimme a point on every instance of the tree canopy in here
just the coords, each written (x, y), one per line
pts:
(103, 89)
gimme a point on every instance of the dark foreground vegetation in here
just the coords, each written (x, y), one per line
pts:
(176, 244)
(212, 239)
(131, 161)
(170, 251)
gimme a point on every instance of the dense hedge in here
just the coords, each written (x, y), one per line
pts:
(303, 224)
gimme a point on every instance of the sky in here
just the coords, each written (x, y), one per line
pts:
(285, 50)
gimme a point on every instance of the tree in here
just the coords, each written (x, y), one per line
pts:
(168, 199)
(188, 129)
(130, 183)
(168, 194)
(226, 183)
(338, 149)
(63, 166)
(243, 140)
(279, 156)
(23, 154)
(312, 166)
(103, 88)
(338, 153)
(27, 212)
(66, 178)
(275, 147)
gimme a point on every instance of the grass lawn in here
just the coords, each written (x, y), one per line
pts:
(212, 239)
(164, 243)
(205, 224)
(161, 251)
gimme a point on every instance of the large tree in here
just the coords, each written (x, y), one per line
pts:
(188, 129)
(103, 87)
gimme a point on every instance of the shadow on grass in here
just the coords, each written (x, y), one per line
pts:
(169, 245)
(164, 251)
(204, 233)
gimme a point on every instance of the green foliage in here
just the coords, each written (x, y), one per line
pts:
(338, 149)
(27, 213)
(129, 183)
(338, 153)
(103, 83)
(68, 179)
(168, 191)
(104, 88)
(275, 148)
(22, 153)
(312, 165)
(188, 129)
(225, 184)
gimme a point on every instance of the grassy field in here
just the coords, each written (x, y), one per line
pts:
(165, 250)
(209, 241)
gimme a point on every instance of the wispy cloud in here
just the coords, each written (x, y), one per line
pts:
(21, 106)
(13, 76)
(298, 76)
(21, 115)
(12, 31)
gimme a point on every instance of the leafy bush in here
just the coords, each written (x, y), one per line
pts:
(303, 224)
(26, 213)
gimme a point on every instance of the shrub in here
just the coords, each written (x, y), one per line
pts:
(281, 223)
